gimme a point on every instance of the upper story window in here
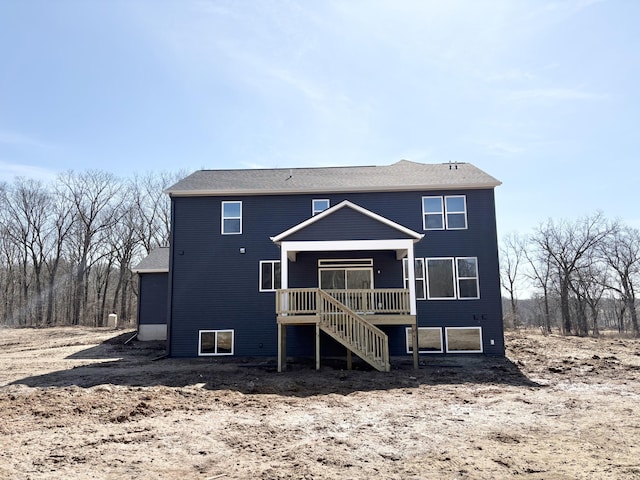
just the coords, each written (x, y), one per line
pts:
(231, 218)
(319, 205)
(456, 210)
(448, 212)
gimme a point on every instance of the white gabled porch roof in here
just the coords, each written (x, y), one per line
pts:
(402, 245)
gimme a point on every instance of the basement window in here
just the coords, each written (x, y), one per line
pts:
(429, 340)
(464, 339)
(215, 342)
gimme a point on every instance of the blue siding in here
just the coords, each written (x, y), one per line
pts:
(347, 224)
(152, 299)
(216, 287)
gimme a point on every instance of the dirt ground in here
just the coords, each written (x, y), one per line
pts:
(79, 403)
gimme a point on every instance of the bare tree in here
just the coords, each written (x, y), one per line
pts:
(621, 252)
(93, 196)
(511, 258)
(569, 246)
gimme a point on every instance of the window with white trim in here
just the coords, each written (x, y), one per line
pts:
(444, 212)
(421, 284)
(269, 275)
(432, 213)
(429, 340)
(456, 212)
(231, 218)
(215, 342)
(467, 271)
(463, 339)
(452, 278)
(319, 205)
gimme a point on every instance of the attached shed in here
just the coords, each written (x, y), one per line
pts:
(153, 281)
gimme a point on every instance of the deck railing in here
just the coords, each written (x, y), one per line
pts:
(304, 301)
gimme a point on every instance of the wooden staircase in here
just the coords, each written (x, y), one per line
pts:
(352, 331)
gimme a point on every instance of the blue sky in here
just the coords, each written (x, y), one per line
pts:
(543, 95)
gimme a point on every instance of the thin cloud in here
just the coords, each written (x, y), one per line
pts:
(9, 171)
(503, 149)
(554, 94)
(13, 138)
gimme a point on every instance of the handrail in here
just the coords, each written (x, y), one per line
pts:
(346, 326)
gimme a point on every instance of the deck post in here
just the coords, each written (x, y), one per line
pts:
(282, 347)
(414, 334)
(349, 360)
(317, 346)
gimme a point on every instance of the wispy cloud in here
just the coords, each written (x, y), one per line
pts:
(14, 138)
(9, 171)
(503, 149)
(554, 94)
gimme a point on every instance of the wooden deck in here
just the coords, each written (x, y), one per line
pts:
(350, 317)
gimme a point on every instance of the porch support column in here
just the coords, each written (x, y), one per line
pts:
(412, 278)
(284, 266)
(282, 347)
(317, 346)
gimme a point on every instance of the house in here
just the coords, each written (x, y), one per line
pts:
(153, 288)
(331, 261)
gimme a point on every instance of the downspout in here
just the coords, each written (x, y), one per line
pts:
(170, 280)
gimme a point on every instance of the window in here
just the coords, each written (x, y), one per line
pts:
(456, 208)
(448, 212)
(432, 213)
(421, 286)
(440, 283)
(319, 205)
(464, 339)
(269, 275)
(467, 269)
(429, 340)
(215, 342)
(444, 282)
(231, 218)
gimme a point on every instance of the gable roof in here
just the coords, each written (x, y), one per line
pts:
(156, 262)
(402, 230)
(401, 176)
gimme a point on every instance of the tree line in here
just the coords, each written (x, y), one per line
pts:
(67, 246)
(581, 276)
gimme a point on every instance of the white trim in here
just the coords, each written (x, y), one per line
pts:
(423, 278)
(404, 247)
(446, 334)
(453, 278)
(315, 211)
(223, 218)
(346, 203)
(464, 212)
(273, 275)
(442, 214)
(150, 270)
(408, 340)
(233, 337)
(295, 191)
(458, 278)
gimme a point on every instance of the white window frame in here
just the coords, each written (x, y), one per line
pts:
(315, 210)
(223, 217)
(446, 335)
(424, 214)
(453, 278)
(216, 354)
(420, 274)
(273, 276)
(410, 346)
(458, 278)
(463, 211)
